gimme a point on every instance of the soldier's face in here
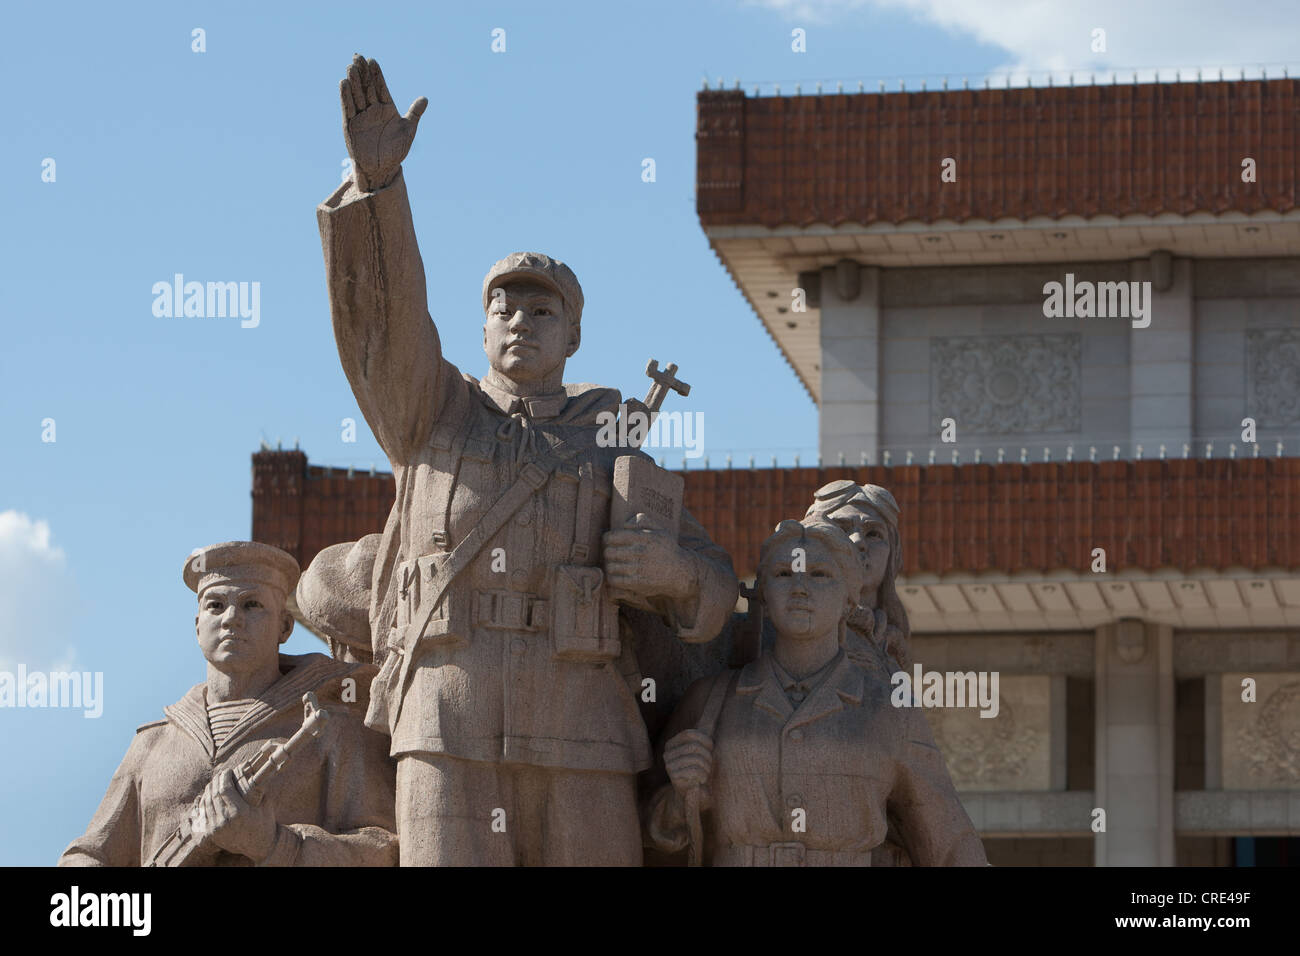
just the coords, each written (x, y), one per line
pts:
(870, 535)
(240, 627)
(804, 604)
(527, 335)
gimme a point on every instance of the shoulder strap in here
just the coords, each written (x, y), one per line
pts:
(708, 723)
(444, 479)
(722, 685)
(532, 477)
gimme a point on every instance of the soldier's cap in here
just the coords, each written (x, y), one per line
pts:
(333, 594)
(832, 498)
(551, 273)
(240, 562)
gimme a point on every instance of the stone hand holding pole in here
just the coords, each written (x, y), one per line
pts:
(688, 758)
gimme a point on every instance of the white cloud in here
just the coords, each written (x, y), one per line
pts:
(811, 11)
(35, 594)
(22, 538)
(1039, 37)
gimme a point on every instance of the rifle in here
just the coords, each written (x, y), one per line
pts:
(252, 778)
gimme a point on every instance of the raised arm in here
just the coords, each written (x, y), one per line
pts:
(387, 342)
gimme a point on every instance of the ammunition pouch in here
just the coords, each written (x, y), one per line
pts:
(450, 621)
(448, 626)
(581, 616)
(381, 714)
(584, 620)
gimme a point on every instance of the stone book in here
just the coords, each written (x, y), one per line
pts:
(642, 487)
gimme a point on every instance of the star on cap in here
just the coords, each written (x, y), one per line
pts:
(542, 268)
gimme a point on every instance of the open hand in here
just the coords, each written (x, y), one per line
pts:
(377, 138)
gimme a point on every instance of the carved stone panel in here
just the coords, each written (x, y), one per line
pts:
(1007, 384)
(1273, 377)
(1261, 739)
(1011, 751)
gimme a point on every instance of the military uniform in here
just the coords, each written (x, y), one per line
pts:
(333, 801)
(520, 665)
(843, 754)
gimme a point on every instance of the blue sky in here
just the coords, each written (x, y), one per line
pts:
(211, 165)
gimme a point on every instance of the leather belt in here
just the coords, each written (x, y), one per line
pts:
(788, 854)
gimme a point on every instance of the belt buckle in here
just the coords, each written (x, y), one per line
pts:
(537, 615)
(510, 609)
(786, 854)
(535, 476)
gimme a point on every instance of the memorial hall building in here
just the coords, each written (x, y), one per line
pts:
(1062, 326)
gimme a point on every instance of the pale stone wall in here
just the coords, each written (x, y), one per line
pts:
(971, 343)
(1007, 375)
(1261, 739)
(1247, 348)
(1011, 751)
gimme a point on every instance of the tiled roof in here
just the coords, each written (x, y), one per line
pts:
(1147, 148)
(1177, 513)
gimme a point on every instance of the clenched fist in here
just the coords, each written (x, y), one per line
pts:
(222, 817)
(648, 562)
(689, 760)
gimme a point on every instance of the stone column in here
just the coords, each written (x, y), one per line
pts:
(1135, 744)
(1161, 356)
(850, 369)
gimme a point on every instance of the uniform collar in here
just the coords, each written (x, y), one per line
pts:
(788, 681)
(536, 407)
(580, 404)
(841, 686)
(299, 674)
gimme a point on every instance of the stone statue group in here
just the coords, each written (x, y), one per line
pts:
(494, 651)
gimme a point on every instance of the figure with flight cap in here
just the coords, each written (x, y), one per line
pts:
(868, 514)
(331, 805)
(800, 758)
(878, 635)
(507, 680)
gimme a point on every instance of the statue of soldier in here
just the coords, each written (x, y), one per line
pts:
(330, 805)
(800, 757)
(509, 697)
(878, 635)
(868, 514)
